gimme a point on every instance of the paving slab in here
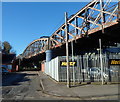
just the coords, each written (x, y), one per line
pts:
(80, 91)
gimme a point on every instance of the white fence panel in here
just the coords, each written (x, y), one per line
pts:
(51, 68)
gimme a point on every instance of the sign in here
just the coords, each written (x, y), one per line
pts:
(71, 63)
(114, 61)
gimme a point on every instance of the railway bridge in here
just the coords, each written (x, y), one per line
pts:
(99, 19)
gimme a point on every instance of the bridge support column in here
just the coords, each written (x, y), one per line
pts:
(49, 55)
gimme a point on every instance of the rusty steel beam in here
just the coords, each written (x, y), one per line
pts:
(102, 15)
(71, 34)
(33, 44)
(79, 12)
(91, 4)
(55, 40)
(75, 26)
(106, 12)
(59, 36)
(90, 19)
(106, 25)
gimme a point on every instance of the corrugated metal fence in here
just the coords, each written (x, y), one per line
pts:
(84, 68)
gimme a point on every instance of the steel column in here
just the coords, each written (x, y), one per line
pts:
(118, 11)
(76, 24)
(101, 61)
(67, 51)
(102, 15)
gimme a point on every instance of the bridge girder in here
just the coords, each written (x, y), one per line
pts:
(95, 16)
(35, 47)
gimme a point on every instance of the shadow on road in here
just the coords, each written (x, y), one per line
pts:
(11, 79)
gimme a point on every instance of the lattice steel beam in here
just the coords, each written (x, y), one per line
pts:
(96, 15)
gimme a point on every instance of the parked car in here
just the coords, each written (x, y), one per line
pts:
(96, 72)
(3, 69)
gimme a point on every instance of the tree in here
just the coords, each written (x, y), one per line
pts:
(6, 47)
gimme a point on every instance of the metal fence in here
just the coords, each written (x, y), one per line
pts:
(85, 68)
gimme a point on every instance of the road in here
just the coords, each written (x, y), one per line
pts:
(23, 86)
(27, 86)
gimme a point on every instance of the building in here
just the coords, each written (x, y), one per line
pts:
(7, 62)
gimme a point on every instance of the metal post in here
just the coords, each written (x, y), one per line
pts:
(102, 24)
(61, 35)
(76, 24)
(118, 11)
(101, 62)
(87, 24)
(102, 15)
(67, 52)
(76, 30)
(72, 61)
(48, 47)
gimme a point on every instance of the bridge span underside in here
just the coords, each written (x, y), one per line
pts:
(80, 46)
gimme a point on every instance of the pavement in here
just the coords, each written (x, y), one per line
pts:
(87, 91)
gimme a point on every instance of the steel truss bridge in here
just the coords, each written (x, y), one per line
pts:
(98, 19)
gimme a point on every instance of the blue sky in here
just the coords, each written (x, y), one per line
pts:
(23, 22)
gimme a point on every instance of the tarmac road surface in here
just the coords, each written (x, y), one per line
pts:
(23, 86)
(27, 86)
